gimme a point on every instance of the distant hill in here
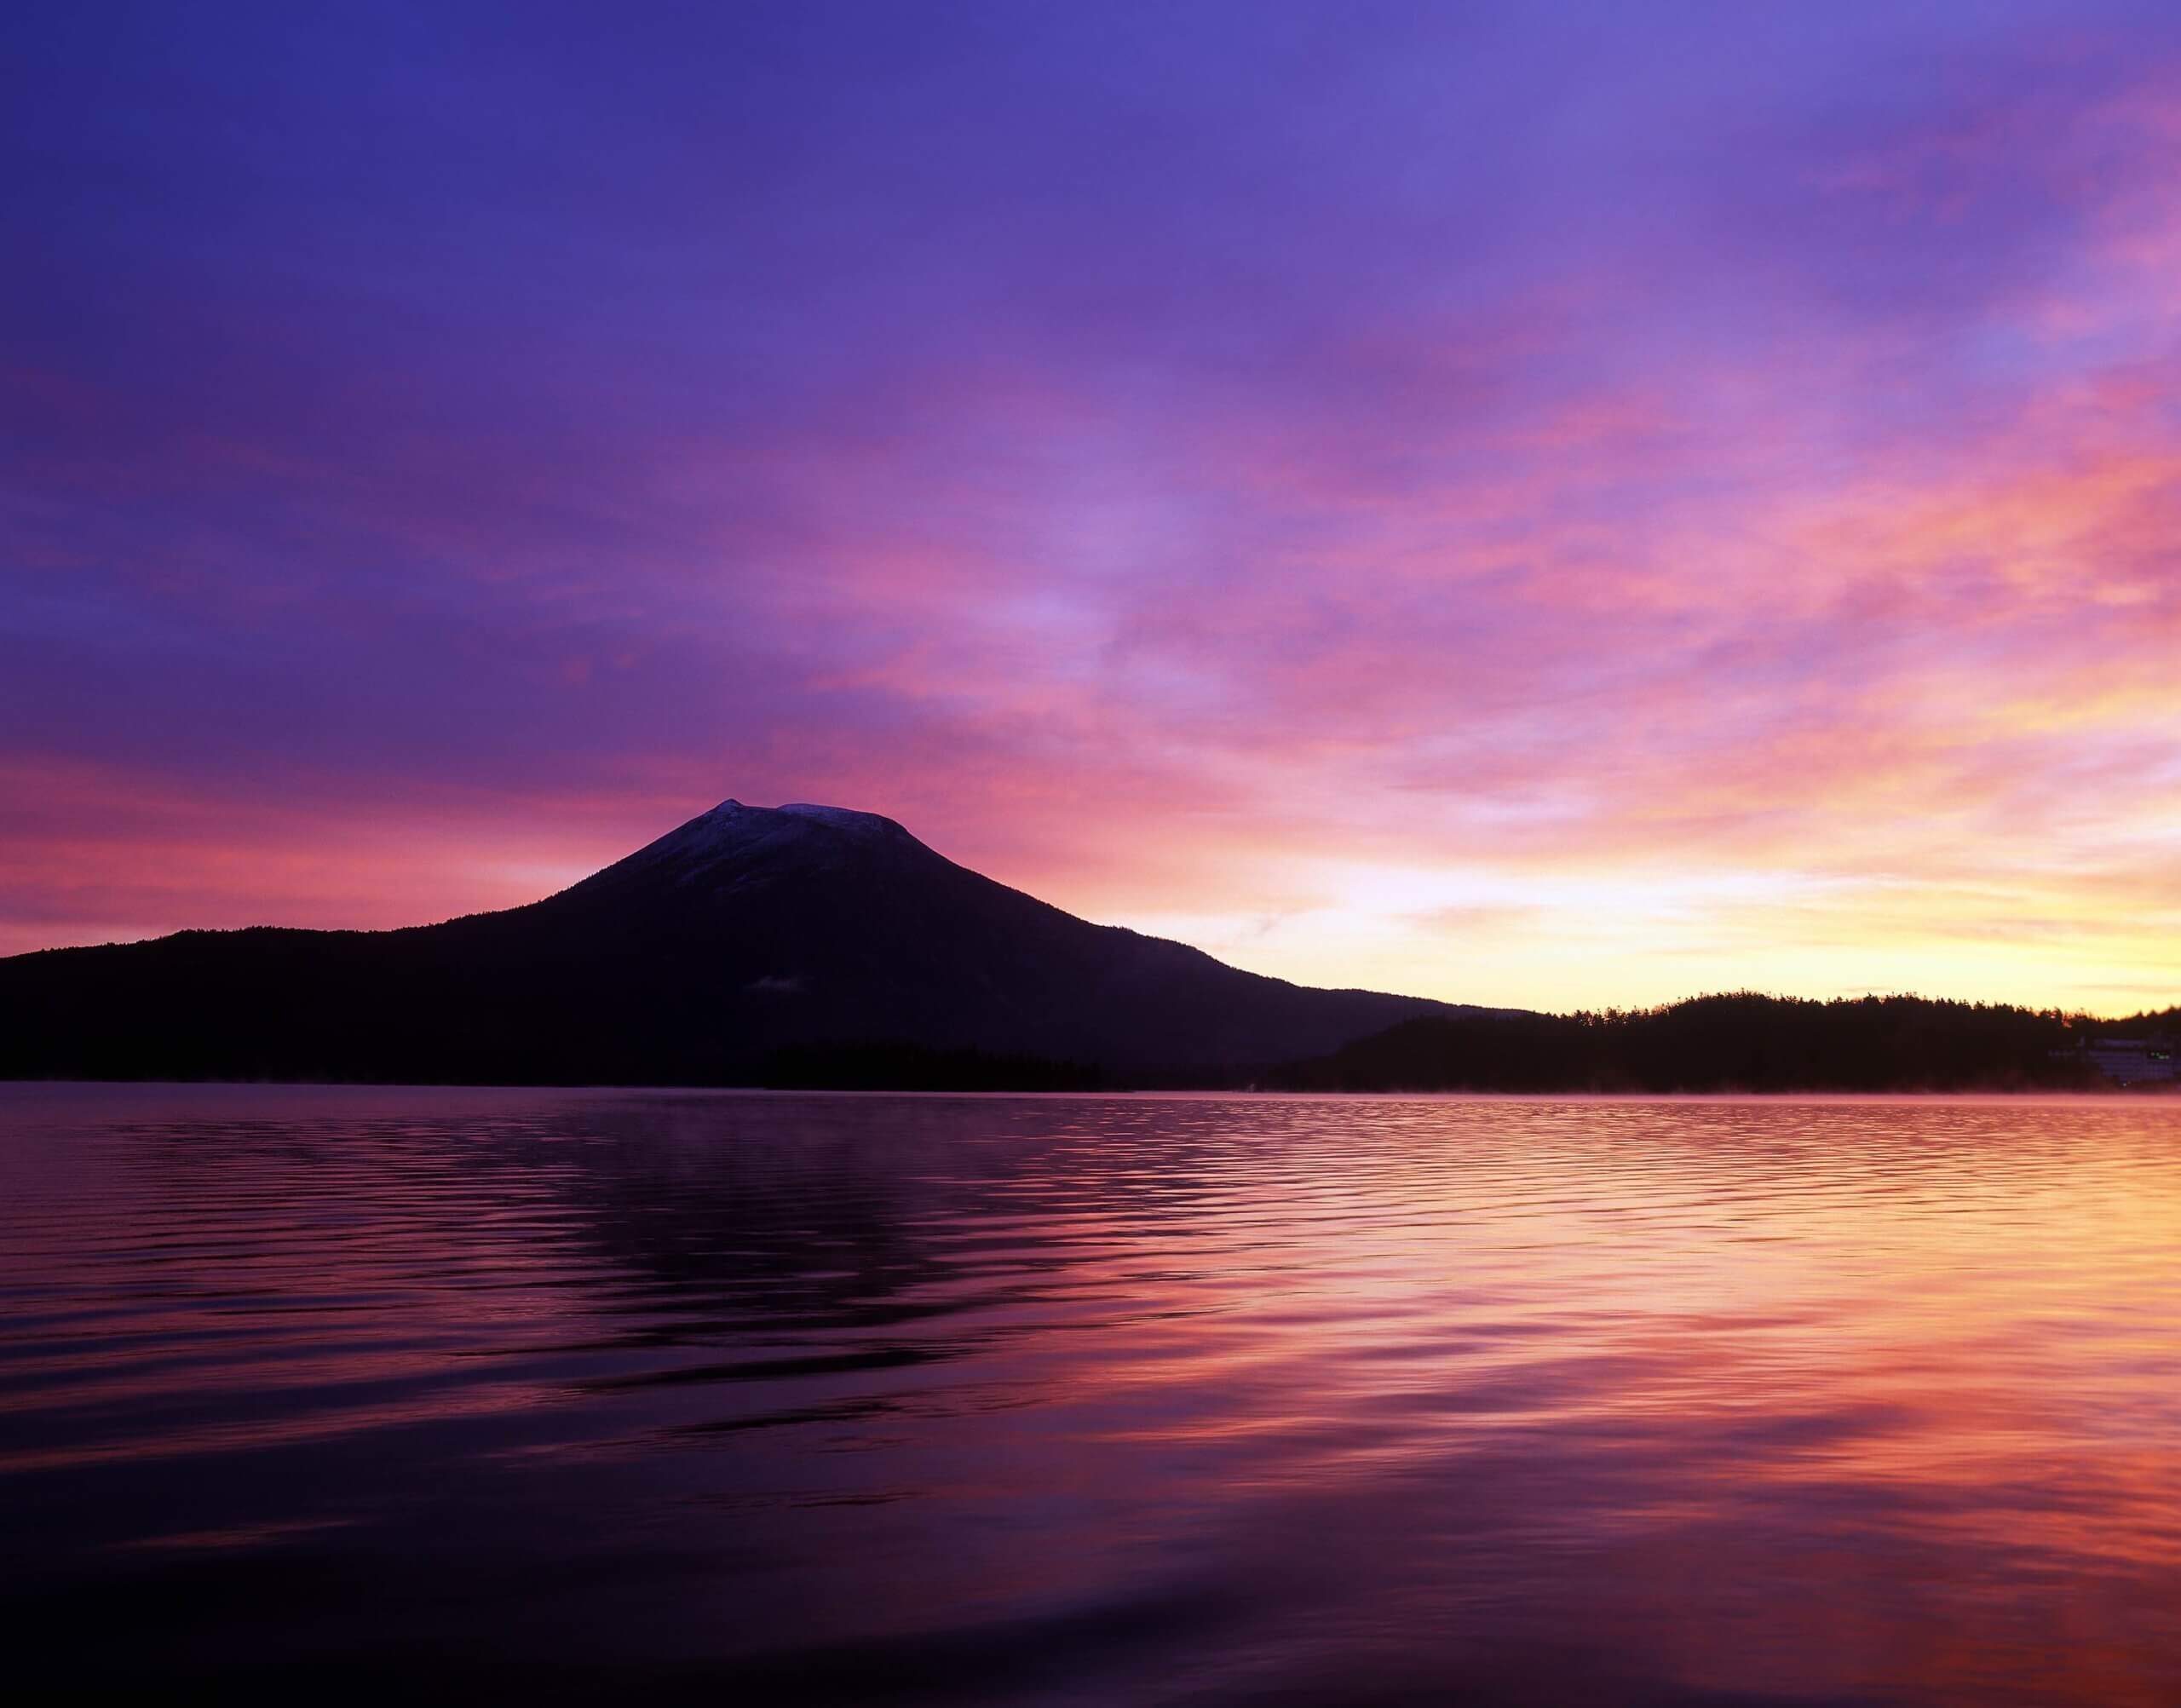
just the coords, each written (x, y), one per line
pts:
(1741, 1042)
(794, 945)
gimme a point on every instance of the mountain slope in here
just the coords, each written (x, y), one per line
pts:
(693, 960)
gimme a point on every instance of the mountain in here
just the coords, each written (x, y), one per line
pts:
(749, 937)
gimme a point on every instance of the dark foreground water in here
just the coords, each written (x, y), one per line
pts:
(1091, 1401)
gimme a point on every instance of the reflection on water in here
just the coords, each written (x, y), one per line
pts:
(1096, 1400)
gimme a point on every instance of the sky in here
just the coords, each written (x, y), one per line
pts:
(1547, 505)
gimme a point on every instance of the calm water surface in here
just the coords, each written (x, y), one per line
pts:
(1093, 1400)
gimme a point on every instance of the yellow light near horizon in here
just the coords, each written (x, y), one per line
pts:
(1562, 942)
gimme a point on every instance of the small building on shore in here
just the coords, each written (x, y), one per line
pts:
(2132, 1061)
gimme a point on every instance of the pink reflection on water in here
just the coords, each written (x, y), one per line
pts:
(1177, 1399)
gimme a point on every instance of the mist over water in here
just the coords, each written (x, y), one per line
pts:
(1094, 1400)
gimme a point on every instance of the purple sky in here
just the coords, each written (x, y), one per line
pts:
(1546, 505)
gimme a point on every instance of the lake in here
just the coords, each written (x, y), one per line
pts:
(1095, 1400)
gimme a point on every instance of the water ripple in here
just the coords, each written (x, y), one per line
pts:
(1060, 1399)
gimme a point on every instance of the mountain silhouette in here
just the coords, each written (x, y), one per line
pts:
(748, 937)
